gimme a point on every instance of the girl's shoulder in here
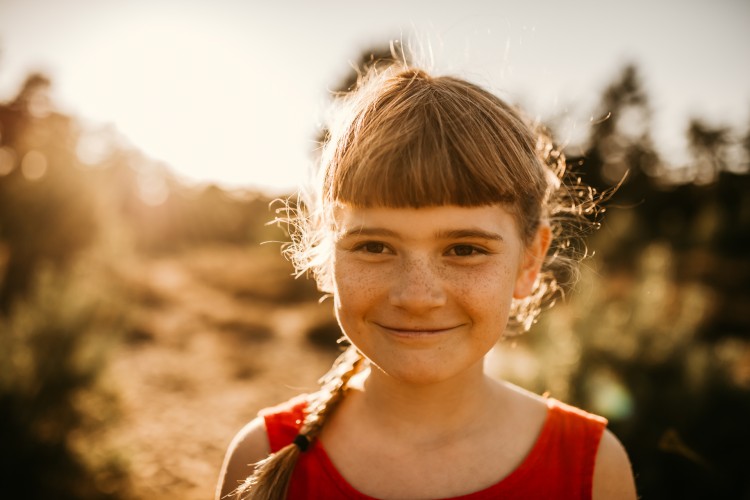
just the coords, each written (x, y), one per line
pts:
(249, 446)
(273, 428)
(613, 474)
(583, 437)
(572, 437)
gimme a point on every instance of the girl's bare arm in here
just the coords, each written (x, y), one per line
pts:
(248, 447)
(613, 475)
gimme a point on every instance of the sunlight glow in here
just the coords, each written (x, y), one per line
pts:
(230, 92)
(184, 92)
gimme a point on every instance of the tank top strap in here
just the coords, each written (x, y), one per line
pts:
(283, 421)
(573, 437)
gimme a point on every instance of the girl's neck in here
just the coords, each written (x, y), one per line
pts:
(428, 409)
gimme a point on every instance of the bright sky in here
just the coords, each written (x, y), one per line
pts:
(232, 91)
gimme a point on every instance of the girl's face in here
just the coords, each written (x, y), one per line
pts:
(425, 293)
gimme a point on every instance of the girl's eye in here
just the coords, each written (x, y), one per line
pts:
(465, 250)
(372, 247)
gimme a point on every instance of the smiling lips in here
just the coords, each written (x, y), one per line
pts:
(414, 331)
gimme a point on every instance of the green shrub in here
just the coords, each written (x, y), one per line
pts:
(54, 344)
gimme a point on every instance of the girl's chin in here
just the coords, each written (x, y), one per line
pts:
(415, 375)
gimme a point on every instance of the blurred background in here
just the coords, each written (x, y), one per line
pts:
(146, 312)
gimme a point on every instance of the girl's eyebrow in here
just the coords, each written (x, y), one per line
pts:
(448, 234)
(458, 234)
(367, 231)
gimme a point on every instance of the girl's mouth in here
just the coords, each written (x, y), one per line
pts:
(416, 331)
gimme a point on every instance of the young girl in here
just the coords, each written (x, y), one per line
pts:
(437, 219)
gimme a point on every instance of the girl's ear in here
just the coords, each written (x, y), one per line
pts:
(532, 261)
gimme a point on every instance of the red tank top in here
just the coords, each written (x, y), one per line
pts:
(560, 465)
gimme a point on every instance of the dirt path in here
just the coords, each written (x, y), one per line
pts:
(199, 365)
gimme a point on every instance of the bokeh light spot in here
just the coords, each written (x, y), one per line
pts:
(152, 188)
(93, 148)
(34, 165)
(609, 397)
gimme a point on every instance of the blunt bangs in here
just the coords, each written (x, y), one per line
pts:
(424, 141)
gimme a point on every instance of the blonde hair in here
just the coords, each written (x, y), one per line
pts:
(403, 138)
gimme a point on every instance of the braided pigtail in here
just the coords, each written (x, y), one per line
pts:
(270, 481)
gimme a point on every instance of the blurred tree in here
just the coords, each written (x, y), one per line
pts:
(620, 150)
(378, 56)
(673, 294)
(46, 209)
(620, 143)
(709, 146)
(55, 330)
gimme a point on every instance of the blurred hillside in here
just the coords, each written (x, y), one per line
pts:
(93, 238)
(141, 321)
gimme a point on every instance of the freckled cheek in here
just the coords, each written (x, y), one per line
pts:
(356, 288)
(488, 291)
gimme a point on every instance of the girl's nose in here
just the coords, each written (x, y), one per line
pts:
(417, 287)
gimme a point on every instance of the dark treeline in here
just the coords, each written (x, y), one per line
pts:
(701, 209)
(687, 433)
(687, 383)
(53, 205)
